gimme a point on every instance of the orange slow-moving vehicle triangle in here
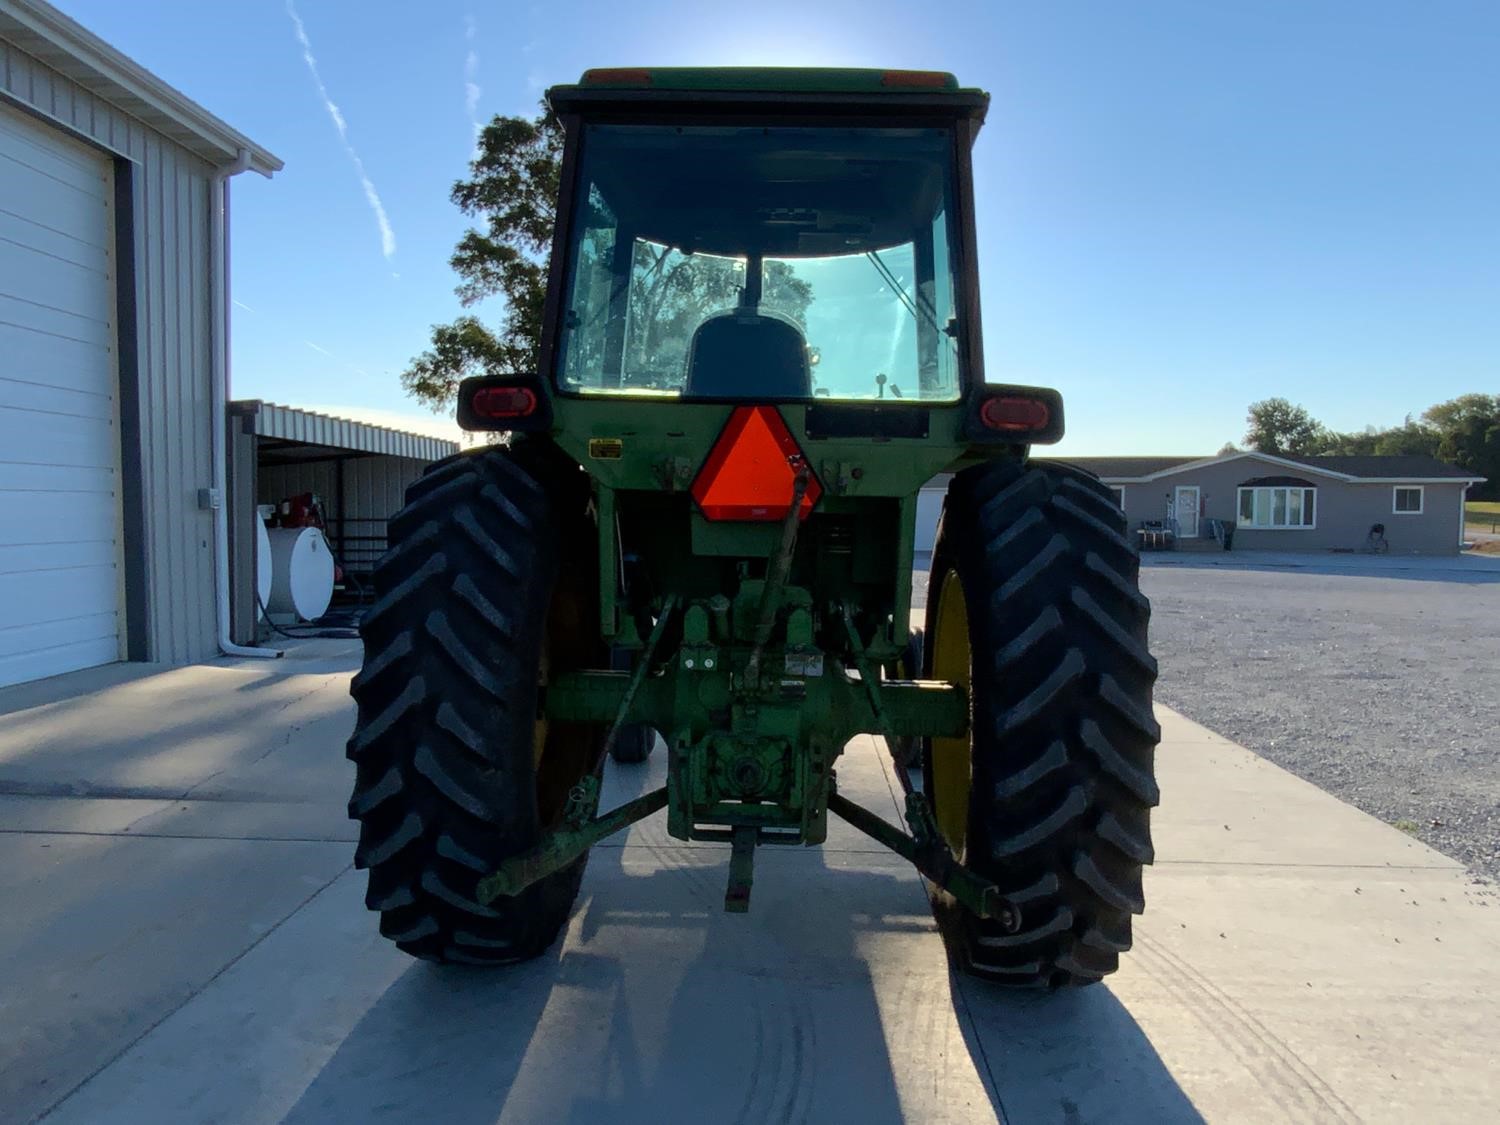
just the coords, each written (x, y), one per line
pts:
(749, 473)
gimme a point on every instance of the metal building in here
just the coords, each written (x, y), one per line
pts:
(113, 356)
(358, 471)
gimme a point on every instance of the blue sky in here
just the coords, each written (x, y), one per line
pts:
(1184, 205)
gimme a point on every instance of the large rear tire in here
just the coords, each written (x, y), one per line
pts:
(1034, 606)
(486, 588)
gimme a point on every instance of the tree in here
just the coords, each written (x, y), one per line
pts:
(513, 184)
(1348, 444)
(512, 187)
(1468, 429)
(1409, 437)
(1464, 431)
(1277, 426)
(671, 293)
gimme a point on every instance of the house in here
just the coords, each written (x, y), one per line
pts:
(114, 307)
(1278, 502)
(1291, 503)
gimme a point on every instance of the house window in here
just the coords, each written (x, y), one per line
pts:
(1406, 500)
(1282, 507)
(1119, 491)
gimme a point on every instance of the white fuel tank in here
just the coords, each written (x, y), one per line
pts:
(301, 573)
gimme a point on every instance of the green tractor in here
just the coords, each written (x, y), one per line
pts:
(761, 339)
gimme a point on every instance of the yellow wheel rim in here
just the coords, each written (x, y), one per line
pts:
(539, 734)
(951, 661)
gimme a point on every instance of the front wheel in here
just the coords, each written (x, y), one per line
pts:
(633, 744)
(1034, 608)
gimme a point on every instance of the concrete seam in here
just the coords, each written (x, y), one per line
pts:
(128, 835)
(286, 741)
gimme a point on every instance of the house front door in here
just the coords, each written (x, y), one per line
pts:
(1186, 507)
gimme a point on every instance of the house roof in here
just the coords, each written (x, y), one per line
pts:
(1127, 468)
(1401, 467)
(1387, 467)
(43, 32)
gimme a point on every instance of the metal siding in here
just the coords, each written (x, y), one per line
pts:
(274, 483)
(172, 261)
(374, 487)
(239, 501)
(196, 378)
(374, 490)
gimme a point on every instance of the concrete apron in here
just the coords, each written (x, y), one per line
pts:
(186, 942)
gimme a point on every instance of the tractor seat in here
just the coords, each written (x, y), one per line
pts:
(747, 355)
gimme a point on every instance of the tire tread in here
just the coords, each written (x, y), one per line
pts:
(1064, 737)
(445, 785)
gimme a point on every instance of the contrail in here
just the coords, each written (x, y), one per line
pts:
(387, 236)
(471, 78)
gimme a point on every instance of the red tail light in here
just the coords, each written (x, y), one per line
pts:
(1015, 415)
(918, 79)
(617, 76)
(749, 473)
(503, 402)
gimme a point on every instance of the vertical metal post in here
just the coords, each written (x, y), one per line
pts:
(609, 562)
(906, 541)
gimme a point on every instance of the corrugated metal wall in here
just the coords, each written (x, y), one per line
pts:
(373, 490)
(171, 227)
(373, 486)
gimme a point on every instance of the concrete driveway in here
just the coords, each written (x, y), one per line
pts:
(184, 940)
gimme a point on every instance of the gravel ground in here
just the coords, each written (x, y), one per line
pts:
(1384, 691)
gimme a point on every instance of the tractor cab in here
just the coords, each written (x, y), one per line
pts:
(720, 243)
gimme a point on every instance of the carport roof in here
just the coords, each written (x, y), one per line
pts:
(1128, 468)
(305, 428)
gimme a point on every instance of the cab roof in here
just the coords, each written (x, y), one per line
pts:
(769, 79)
(797, 89)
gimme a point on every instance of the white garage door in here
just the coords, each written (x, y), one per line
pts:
(60, 577)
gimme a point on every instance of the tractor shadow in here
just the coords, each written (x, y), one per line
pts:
(1068, 1057)
(830, 1001)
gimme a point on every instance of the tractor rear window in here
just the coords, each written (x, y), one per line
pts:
(763, 263)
